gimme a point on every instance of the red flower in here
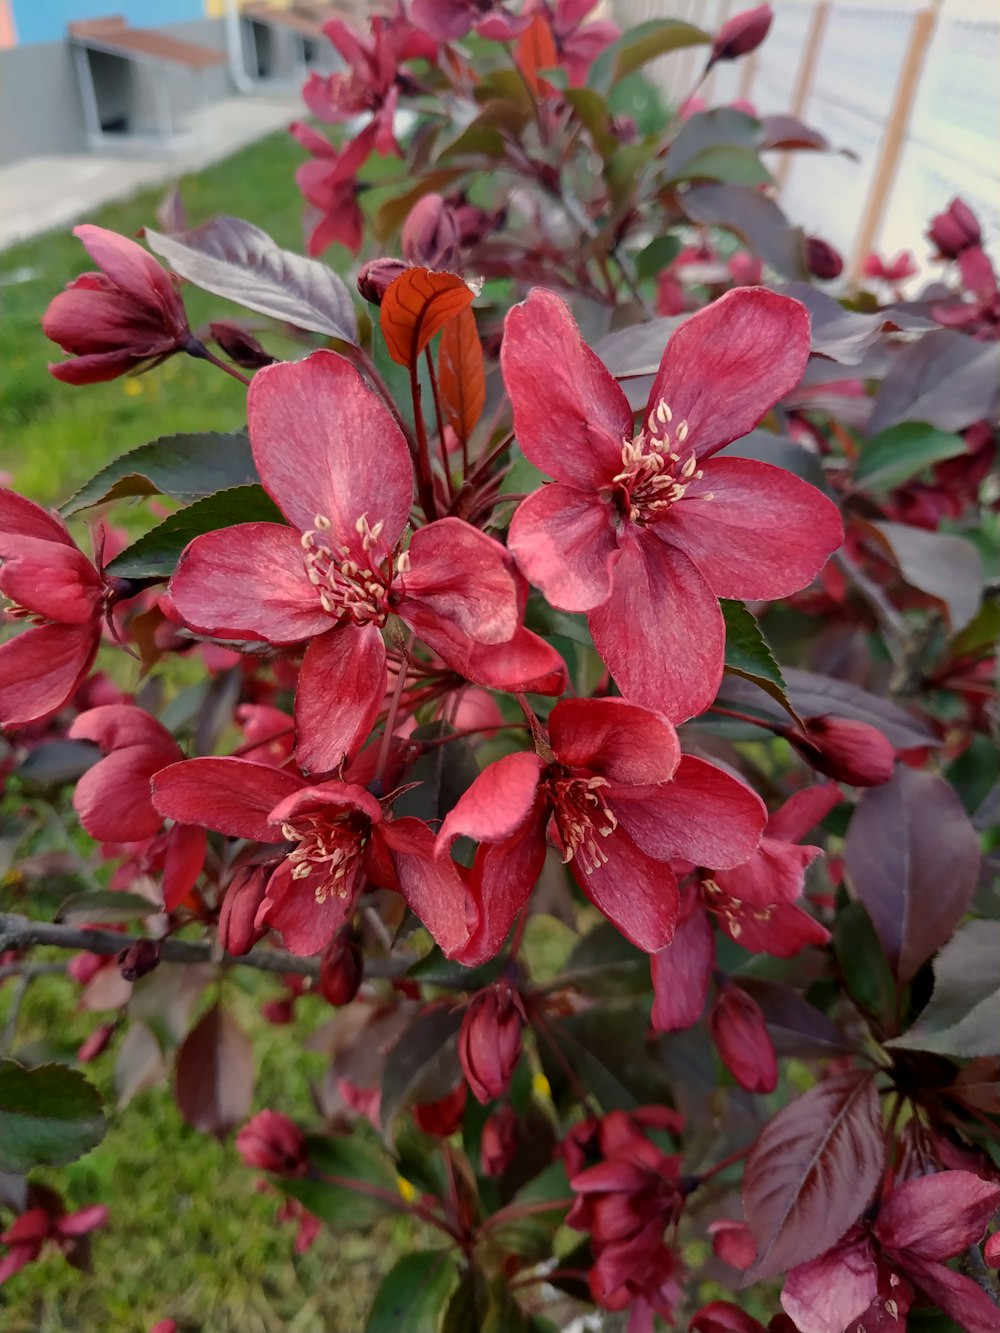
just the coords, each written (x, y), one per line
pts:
(127, 317)
(430, 234)
(955, 230)
(623, 802)
(742, 1039)
(865, 1280)
(48, 579)
(337, 574)
(577, 42)
(845, 750)
(742, 34)
(443, 1117)
(329, 184)
(893, 270)
(271, 1142)
(724, 1317)
(451, 20)
(498, 1144)
(646, 533)
(113, 798)
(335, 833)
(489, 1042)
(33, 1229)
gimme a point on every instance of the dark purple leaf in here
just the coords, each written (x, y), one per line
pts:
(789, 132)
(213, 1079)
(947, 568)
(963, 1015)
(637, 350)
(796, 1027)
(233, 259)
(422, 1065)
(779, 451)
(812, 1172)
(945, 379)
(757, 220)
(846, 335)
(912, 857)
(722, 127)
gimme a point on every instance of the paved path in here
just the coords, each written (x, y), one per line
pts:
(41, 193)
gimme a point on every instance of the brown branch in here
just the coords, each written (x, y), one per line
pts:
(20, 932)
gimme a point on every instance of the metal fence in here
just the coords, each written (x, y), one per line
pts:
(911, 89)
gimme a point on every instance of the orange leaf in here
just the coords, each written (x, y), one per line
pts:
(536, 49)
(416, 305)
(461, 378)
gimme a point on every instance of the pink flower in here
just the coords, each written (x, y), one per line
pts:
(741, 34)
(489, 1043)
(623, 802)
(955, 230)
(335, 836)
(430, 234)
(451, 20)
(578, 43)
(893, 270)
(336, 463)
(127, 317)
(329, 184)
(645, 533)
(271, 1142)
(50, 581)
(742, 1039)
(113, 798)
(39, 1226)
(867, 1279)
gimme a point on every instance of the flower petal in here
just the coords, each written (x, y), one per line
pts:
(341, 686)
(661, 633)
(248, 581)
(325, 444)
(182, 863)
(497, 804)
(703, 815)
(774, 874)
(957, 1295)
(781, 929)
(52, 580)
(307, 925)
(433, 887)
(130, 267)
(112, 726)
(615, 739)
(231, 796)
(938, 1216)
(570, 417)
(23, 518)
(40, 669)
(635, 893)
(113, 798)
(725, 367)
(765, 533)
(828, 1293)
(682, 970)
(526, 663)
(803, 811)
(564, 541)
(460, 575)
(500, 884)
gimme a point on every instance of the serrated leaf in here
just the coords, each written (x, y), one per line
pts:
(155, 554)
(638, 46)
(233, 259)
(185, 467)
(812, 1172)
(49, 1116)
(899, 453)
(414, 1294)
(748, 655)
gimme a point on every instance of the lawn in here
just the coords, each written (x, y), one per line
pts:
(190, 1236)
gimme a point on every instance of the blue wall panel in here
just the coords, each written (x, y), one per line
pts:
(46, 20)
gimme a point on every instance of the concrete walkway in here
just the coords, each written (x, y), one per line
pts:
(41, 193)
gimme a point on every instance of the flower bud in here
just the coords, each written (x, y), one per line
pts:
(237, 931)
(845, 750)
(241, 347)
(822, 260)
(954, 230)
(743, 1041)
(341, 969)
(430, 236)
(991, 1252)
(377, 276)
(489, 1043)
(272, 1142)
(724, 1317)
(444, 1116)
(742, 34)
(499, 1141)
(138, 959)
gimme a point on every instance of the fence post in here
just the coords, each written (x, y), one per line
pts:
(806, 74)
(747, 75)
(895, 134)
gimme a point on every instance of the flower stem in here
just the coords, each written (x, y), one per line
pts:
(440, 424)
(425, 481)
(201, 353)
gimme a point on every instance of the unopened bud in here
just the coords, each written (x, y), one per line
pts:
(489, 1042)
(499, 1141)
(991, 1251)
(444, 1116)
(743, 1041)
(241, 347)
(430, 236)
(237, 931)
(822, 260)
(742, 34)
(955, 230)
(272, 1142)
(341, 969)
(724, 1317)
(138, 959)
(845, 750)
(377, 277)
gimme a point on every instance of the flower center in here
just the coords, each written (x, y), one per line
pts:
(655, 473)
(734, 910)
(581, 817)
(328, 848)
(353, 583)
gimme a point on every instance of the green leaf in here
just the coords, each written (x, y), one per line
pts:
(899, 453)
(468, 1304)
(336, 1202)
(980, 634)
(105, 905)
(723, 162)
(658, 255)
(185, 467)
(414, 1294)
(748, 655)
(49, 1116)
(155, 555)
(641, 44)
(863, 966)
(593, 113)
(963, 1015)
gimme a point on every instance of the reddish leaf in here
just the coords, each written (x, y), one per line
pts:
(963, 1015)
(461, 378)
(214, 1074)
(947, 568)
(941, 379)
(812, 1172)
(416, 305)
(912, 857)
(536, 50)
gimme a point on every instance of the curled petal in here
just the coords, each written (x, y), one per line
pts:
(682, 970)
(434, 888)
(615, 739)
(500, 883)
(938, 1216)
(23, 518)
(50, 579)
(112, 726)
(497, 804)
(460, 575)
(828, 1293)
(636, 894)
(113, 798)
